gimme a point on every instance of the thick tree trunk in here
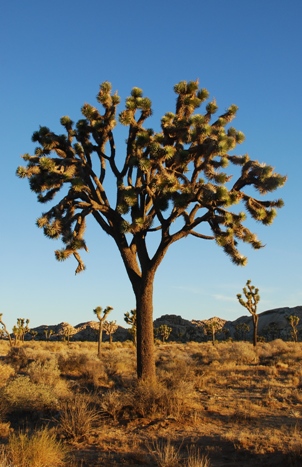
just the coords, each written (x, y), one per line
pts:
(145, 333)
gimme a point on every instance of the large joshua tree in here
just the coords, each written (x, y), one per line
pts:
(157, 181)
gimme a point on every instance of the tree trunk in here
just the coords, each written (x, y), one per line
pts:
(255, 323)
(100, 339)
(144, 330)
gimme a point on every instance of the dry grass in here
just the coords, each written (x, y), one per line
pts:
(222, 405)
(40, 449)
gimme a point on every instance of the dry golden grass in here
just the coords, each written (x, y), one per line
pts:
(39, 449)
(223, 405)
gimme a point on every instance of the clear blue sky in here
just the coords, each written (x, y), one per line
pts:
(54, 55)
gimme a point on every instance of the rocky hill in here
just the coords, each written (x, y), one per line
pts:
(273, 324)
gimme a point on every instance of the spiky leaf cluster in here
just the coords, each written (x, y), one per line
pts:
(180, 172)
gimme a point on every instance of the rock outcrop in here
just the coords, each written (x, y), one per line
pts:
(273, 324)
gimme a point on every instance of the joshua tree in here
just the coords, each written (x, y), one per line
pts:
(67, 331)
(5, 331)
(20, 329)
(48, 333)
(212, 326)
(294, 321)
(130, 318)
(98, 311)
(163, 331)
(251, 302)
(110, 327)
(33, 334)
(177, 174)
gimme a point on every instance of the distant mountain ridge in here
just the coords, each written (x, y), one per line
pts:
(273, 324)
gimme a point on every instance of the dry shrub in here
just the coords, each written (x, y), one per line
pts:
(40, 449)
(175, 369)
(6, 371)
(117, 366)
(94, 373)
(73, 363)
(77, 418)
(20, 394)
(17, 358)
(239, 353)
(47, 373)
(112, 403)
(5, 430)
(156, 400)
(44, 372)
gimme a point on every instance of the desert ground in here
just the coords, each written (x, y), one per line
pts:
(228, 404)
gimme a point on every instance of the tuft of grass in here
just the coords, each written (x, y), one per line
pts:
(40, 449)
(196, 459)
(164, 453)
(77, 418)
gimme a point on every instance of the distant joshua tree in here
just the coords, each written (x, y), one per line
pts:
(20, 329)
(251, 302)
(130, 318)
(294, 321)
(48, 333)
(212, 327)
(67, 332)
(98, 312)
(163, 331)
(33, 334)
(110, 327)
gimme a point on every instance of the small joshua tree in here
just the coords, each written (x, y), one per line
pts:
(163, 331)
(98, 312)
(251, 302)
(20, 329)
(130, 318)
(294, 321)
(5, 331)
(67, 331)
(110, 327)
(212, 327)
(48, 333)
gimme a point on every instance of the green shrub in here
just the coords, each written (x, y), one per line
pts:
(23, 395)
(44, 372)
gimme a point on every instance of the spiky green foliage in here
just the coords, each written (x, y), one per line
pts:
(159, 180)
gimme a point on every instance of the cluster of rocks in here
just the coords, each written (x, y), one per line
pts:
(273, 324)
